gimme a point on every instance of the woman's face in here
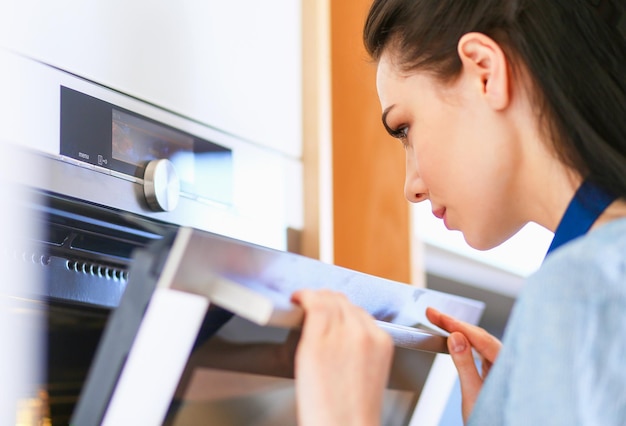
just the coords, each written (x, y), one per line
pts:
(461, 154)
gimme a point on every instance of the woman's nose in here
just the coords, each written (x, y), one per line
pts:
(414, 196)
(414, 189)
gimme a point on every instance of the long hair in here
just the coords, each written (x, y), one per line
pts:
(575, 56)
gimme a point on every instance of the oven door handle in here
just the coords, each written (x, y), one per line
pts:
(265, 308)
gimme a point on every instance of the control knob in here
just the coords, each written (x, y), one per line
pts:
(161, 185)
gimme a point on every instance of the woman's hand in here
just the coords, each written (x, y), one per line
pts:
(342, 362)
(462, 339)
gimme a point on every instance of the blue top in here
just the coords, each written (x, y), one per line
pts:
(588, 204)
(563, 360)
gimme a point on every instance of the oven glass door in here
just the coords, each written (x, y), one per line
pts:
(205, 330)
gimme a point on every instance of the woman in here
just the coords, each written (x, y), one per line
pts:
(510, 111)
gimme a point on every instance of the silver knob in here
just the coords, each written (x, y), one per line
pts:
(161, 185)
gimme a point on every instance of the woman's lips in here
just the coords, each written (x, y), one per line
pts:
(440, 213)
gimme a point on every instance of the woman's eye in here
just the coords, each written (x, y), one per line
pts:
(402, 133)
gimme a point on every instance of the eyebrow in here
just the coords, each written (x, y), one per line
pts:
(389, 130)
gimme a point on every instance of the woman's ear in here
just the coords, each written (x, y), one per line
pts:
(485, 63)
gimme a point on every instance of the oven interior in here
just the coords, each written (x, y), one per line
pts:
(82, 253)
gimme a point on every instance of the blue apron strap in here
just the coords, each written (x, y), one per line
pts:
(588, 204)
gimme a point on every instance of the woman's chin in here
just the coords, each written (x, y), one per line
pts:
(482, 244)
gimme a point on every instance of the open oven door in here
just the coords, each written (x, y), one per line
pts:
(205, 328)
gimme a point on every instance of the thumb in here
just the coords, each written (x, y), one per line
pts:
(471, 382)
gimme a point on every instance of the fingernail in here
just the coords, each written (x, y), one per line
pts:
(456, 343)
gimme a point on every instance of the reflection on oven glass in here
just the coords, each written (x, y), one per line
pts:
(242, 375)
(233, 399)
(137, 141)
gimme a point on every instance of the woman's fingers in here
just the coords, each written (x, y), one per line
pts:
(330, 315)
(325, 306)
(484, 343)
(471, 381)
(342, 361)
(463, 338)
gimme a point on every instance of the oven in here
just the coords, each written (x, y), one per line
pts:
(162, 252)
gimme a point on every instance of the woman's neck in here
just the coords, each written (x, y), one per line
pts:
(617, 210)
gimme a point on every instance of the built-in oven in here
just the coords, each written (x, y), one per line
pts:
(161, 246)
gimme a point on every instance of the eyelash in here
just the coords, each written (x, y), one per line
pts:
(401, 133)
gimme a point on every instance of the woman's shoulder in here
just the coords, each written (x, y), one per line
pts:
(571, 307)
(593, 263)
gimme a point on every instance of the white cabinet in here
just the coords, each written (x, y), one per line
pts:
(234, 65)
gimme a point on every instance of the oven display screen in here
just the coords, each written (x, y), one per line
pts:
(137, 141)
(99, 133)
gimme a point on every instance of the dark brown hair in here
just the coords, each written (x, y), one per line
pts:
(575, 58)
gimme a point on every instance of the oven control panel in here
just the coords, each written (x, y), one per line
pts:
(169, 161)
(161, 185)
(105, 146)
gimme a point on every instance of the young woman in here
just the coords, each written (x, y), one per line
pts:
(510, 111)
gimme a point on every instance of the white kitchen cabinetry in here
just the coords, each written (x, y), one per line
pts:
(234, 65)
